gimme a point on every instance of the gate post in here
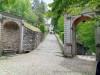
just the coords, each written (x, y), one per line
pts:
(67, 36)
(97, 37)
(0, 34)
(22, 33)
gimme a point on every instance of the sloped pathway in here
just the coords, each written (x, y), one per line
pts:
(46, 59)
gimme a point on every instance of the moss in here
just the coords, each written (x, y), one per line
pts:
(31, 27)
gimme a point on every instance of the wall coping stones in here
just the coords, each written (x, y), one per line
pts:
(11, 15)
(60, 43)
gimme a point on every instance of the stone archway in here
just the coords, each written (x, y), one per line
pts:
(70, 23)
(11, 36)
(74, 25)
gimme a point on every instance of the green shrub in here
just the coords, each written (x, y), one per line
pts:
(62, 36)
(42, 28)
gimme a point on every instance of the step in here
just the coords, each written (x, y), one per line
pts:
(9, 50)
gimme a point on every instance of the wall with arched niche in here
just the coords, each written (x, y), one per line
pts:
(11, 36)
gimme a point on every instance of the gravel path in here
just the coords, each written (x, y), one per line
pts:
(46, 59)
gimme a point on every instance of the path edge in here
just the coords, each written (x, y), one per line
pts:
(60, 43)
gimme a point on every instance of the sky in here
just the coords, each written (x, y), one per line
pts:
(48, 1)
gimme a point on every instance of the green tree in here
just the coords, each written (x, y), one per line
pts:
(85, 34)
(20, 8)
(35, 5)
(30, 16)
(8, 3)
(42, 28)
(43, 7)
(39, 9)
(61, 23)
(73, 7)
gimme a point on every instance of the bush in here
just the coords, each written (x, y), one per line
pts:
(42, 28)
(62, 36)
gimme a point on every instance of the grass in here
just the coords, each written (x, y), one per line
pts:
(33, 28)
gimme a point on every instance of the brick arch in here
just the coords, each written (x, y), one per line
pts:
(80, 19)
(76, 21)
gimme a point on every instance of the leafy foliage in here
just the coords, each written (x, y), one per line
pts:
(60, 27)
(72, 7)
(30, 15)
(19, 7)
(33, 12)
(62, 36)
(42, 28)
(85, 34)
(39, 9)
(61, 23)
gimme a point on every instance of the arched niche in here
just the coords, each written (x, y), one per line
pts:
(11, 36)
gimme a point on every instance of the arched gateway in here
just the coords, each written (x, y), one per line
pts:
(70, 24)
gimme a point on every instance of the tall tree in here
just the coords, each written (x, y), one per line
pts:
(73, 6)
(20, 7)
(43, 6)
(35, 5)
(39, 9)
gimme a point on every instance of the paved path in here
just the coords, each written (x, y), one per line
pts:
(46, 59)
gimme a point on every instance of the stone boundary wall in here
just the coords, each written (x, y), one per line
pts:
(44, 35)
(31, 39)
(28, 37)
(60, 43)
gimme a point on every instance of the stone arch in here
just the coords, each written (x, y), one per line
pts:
(11, 36)
(70, 23)
(76, 21)
(6, 21)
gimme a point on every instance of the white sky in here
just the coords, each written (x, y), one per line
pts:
(48, 1)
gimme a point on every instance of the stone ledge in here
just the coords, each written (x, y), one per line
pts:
(60, 43)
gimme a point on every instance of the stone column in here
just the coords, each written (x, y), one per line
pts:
(97, 36)
(0, 30)
(22, 32)
(0, 34)
(67, 36)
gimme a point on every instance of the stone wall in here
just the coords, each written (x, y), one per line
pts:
(15, 36)
(31, 39)
(81, 50)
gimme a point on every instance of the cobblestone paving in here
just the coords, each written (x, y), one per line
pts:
(46, 59)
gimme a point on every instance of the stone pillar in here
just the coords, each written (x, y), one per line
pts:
(97, 35)
(67, 36)
(0, 34)
(0, 30)
(22, 32)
